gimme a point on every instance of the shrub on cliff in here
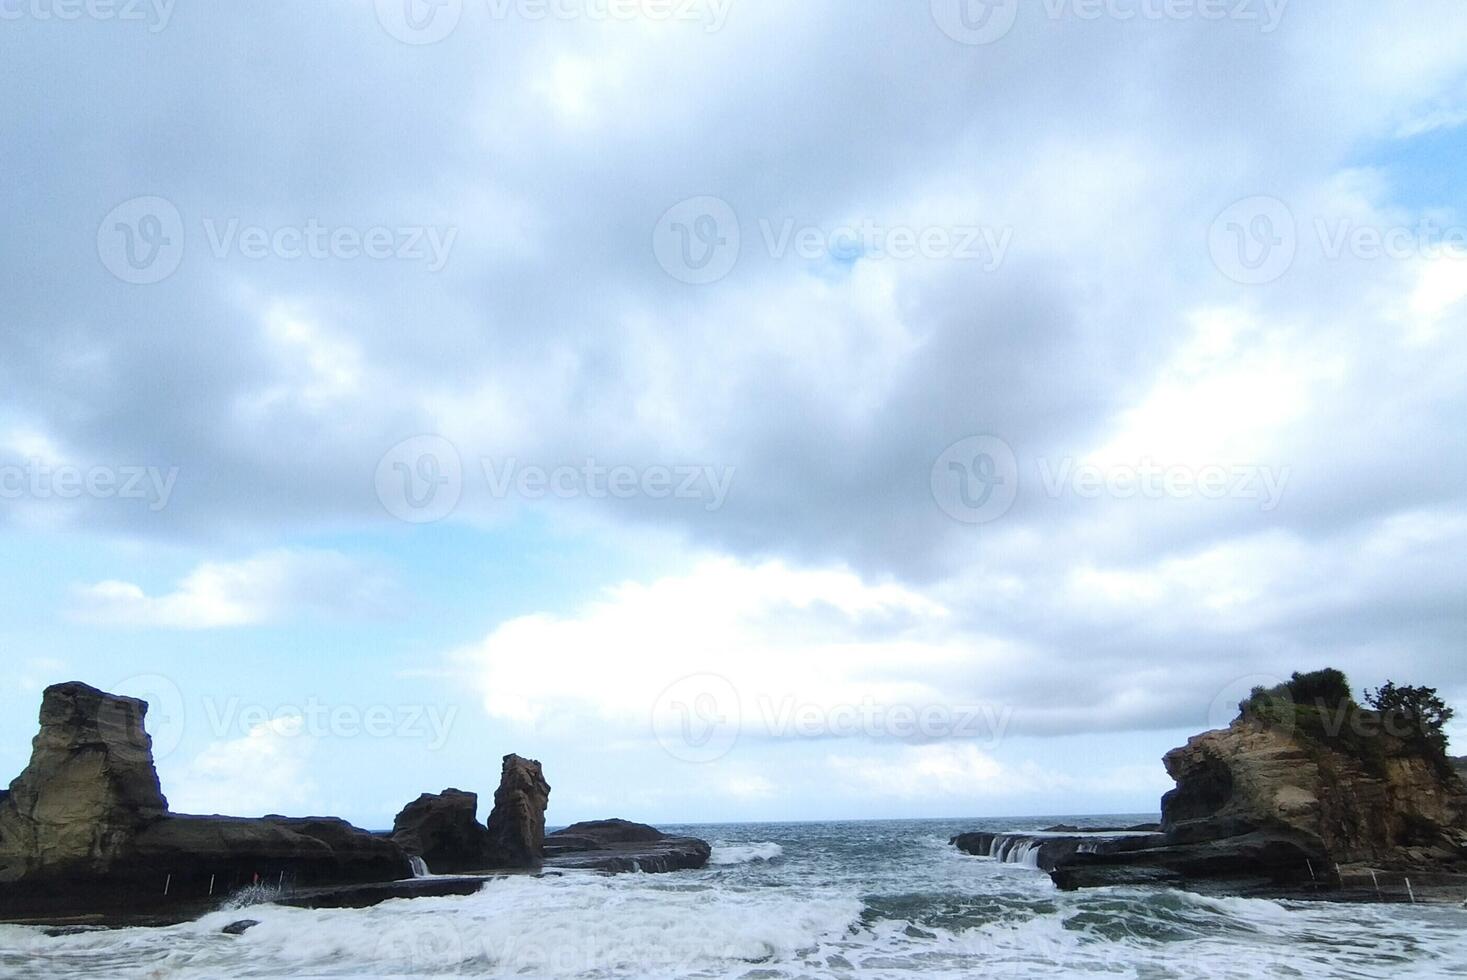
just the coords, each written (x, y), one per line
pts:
(1418, 711)
(1318, 708)
(1327, 688)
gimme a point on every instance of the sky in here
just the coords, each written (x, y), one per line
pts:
(752, 410)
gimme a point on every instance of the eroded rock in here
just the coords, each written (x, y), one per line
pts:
(1310, 797)
(89, 789)
(516, 830)
(444, 830)
(620, 845)
(86, 828)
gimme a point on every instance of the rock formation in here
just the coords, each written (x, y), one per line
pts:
(1292, 796)
(86, 829)
(1362, 795)
(89, 789)
(590, 834)
(444, 830)
(620, 845)
(517, 823)
(85, 833)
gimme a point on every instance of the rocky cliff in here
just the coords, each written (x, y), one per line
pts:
(89, 790)
(1313, 796)
(85, 829)
(1346, 794)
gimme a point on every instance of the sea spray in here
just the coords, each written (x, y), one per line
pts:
(839, 900)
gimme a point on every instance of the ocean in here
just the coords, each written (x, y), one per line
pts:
(788, 900)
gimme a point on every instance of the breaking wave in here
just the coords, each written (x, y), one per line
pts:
(725, 854)
(781, 901)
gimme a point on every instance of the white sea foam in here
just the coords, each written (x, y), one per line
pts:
(724, 854)
(845, 902)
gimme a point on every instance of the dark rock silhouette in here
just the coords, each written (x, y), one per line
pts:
(621, 845)
(86, 828)
(86, 834)
(613, 831)
(444, 830)
(516, 827)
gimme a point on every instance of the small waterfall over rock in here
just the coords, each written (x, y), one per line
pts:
(1015, 849)
(420, 867)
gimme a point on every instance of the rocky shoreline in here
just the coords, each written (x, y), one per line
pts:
(1310, 798)
(87, 838)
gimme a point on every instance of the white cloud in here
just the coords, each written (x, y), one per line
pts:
(318, 368)
(554, 336)
(265, 771)
(929, 770)
(769, 631)
(958, 772)
(266, 588)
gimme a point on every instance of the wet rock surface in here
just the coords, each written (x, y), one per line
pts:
(620, 846)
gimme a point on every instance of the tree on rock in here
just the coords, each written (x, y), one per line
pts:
(1424, 714)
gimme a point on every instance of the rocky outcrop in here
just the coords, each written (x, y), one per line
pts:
(591, 834)
(1046, 849)
(516, 830)
(86, 834)
(444, 830)
(1348, 792)
(85, 829)
(89, 789)
(1306, 796)
(621, 845)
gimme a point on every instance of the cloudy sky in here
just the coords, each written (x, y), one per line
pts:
(754, 410)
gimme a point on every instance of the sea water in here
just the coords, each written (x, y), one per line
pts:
(861, 899)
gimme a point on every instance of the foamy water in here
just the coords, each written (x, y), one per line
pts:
(783, 901)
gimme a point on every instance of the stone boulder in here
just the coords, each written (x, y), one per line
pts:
(516, 829)
(444, 830)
